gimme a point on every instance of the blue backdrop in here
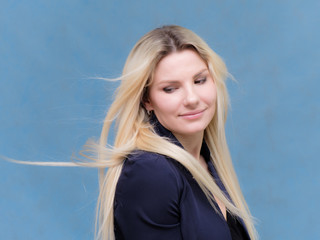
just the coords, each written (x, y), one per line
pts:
(49, 105)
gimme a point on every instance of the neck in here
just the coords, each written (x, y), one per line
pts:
(191, 143)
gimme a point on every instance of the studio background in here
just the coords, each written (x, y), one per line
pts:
(50, 105)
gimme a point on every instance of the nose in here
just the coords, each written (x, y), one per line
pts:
(191, 97)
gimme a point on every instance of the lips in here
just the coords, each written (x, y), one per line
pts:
(192, 114)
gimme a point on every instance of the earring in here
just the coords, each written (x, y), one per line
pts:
(149, 112)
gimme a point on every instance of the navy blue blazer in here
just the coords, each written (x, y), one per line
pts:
(157, 199)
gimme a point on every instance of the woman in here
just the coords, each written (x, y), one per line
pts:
(170, 175)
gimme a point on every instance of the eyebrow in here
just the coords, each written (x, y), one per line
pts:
(199, 73)
(176, 81)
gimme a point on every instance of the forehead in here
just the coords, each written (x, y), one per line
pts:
(179, 65)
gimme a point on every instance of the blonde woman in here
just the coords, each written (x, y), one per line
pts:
(170, 175)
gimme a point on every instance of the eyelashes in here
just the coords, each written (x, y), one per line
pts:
(200, 80)
(170, 89)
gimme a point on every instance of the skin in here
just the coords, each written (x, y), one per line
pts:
(183, 97)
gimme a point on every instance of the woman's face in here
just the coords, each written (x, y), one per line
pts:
(182, 94)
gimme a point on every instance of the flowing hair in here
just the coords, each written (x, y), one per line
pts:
(133, 130)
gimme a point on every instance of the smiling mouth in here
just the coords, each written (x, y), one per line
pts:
(194, 114)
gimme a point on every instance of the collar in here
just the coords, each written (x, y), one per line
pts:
(205, 152)
(164, 132)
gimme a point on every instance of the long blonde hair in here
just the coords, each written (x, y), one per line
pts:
(133, 130)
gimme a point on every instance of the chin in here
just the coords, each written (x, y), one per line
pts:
(191, 131)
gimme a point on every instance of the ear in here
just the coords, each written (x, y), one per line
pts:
(148, 105)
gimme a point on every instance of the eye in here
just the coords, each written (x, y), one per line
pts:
(169, 89)
(200, 80)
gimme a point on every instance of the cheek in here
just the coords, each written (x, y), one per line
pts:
(210, 95)
(164, 103)
(164, 106)
(213, 98)
(157, 102)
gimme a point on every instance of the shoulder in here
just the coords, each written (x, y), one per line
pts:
(147, 196)
(148, 163)
(149, 174)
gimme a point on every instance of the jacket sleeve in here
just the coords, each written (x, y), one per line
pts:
(147, 199)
